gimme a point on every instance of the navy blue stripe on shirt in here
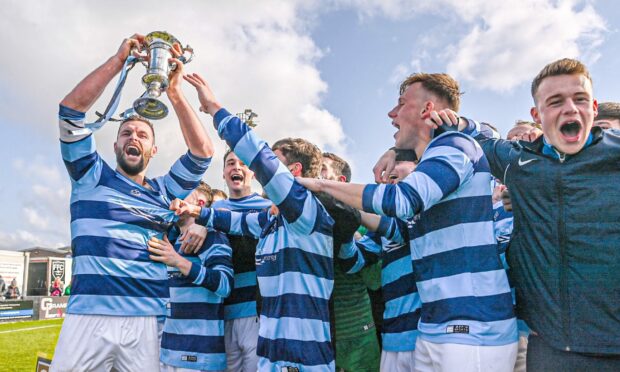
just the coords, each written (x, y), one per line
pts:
(108, 247)
(106, 285)
(295, 306)
(463, 260)
(308, 353)
(472, 209)
(264, 166)
(323, 223)
(221, 220)
(197, 310)
(402, 323)
(185, 184)
(234, 133)
(292, 205)
(191, 166)
(79, 167)
(395, 254)
(113, 212)
(400, 287)
(296, 260)
(439, 169)
(483, 309)
(193, 343)
(388, 205)
(242, 294)
(466, 145)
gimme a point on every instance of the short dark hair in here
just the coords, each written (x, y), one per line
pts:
(136, 118)
(228, 151)
(564, 66)
(302, 151)
(441, 85)
(608, 110)
(341, 167)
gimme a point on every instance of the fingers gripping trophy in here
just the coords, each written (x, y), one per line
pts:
(161, 46)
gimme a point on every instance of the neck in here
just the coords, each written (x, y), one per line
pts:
(238, 194)
(138, 178)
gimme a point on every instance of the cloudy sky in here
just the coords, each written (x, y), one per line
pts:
(324, 70)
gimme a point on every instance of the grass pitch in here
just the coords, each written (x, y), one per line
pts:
(21, 341)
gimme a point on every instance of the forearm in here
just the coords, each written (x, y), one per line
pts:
(184, 266)
(348, 193)
(196, 138)
(370, 221)
(84, 95)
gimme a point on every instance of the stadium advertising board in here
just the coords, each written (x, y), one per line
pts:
(53, 307)
(12, 267)
(10, 310)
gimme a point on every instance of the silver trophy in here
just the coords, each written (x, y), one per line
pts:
(158, 44)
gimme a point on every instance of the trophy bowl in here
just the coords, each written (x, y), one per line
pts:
(158, 45)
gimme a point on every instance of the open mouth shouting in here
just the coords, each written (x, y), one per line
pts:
(397, 128)
(237, 178)
(571, 131)
(132, 152)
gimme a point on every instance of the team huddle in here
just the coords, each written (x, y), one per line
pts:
(167, 278)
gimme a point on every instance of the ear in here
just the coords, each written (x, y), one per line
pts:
(342, 178)
(535, 115)
(153, 150)
(428, 107)
(115, 147)
(297, 169)
(595, 107)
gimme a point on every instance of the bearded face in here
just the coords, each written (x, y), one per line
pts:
(134, 147)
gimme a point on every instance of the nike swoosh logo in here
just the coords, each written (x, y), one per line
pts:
(522, 163)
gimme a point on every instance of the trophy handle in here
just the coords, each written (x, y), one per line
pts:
(188, 59)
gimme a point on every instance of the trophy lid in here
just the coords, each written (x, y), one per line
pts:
(161, 36)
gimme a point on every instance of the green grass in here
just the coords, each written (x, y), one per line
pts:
(19, 349)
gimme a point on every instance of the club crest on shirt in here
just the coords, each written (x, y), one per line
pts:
(135, 192)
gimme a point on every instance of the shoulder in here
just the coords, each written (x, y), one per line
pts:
(457, 141)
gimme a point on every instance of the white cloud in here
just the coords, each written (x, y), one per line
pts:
(510, 41)
(255, 55)
(499, 44)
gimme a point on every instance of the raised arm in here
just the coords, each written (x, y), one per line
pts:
(231, 222)
(196, 138)
(84, 95)
(295, 202)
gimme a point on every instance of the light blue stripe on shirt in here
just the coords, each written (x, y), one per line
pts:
(101, 304)
(196, 327)
(394, 308)
(480, 284)
(117, 267)
(438, 241)
(294, 329)
(501, 332)
(193, 294)
(296, 283)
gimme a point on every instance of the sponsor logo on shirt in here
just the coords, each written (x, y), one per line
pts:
(457, 329)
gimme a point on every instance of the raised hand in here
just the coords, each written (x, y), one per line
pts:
(184, 209)
(208, 103)
(133, 44)
(384, 167)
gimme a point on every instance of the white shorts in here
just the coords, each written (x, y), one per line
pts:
(103, 343)
(397, 361)
(464, 358)
(241, 337)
